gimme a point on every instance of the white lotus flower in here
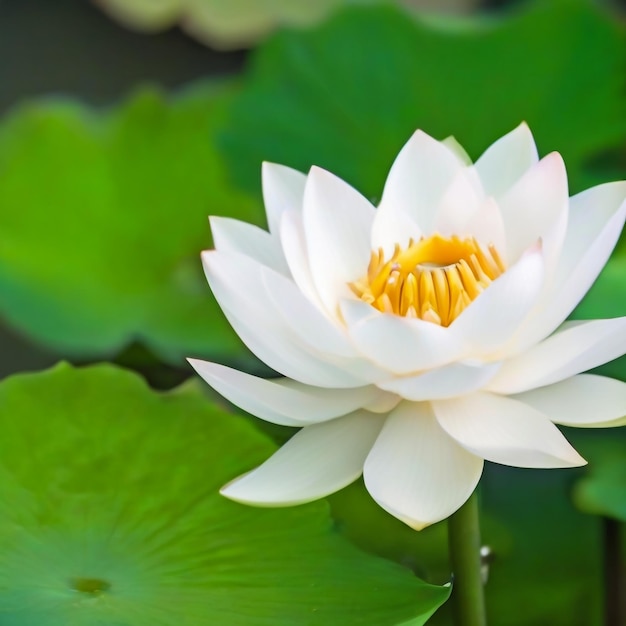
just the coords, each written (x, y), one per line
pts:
(423, 337)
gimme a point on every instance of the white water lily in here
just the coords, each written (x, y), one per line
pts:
(423, 337)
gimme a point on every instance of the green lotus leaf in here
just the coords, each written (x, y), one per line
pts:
(349, 94)
(103, 216)
(112, 516)
(240, 23)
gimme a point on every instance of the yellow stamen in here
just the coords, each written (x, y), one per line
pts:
(433, 279)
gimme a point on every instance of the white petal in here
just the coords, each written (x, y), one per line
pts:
(384, 403)
(315, 330)
(231, 235)
(237, 285)
(304, 318)
(458, 205)
(536, 207)
(452, 144)
(595, 222)
(506, 160)
(295, 251)
(494, 316)
(487, 226)
(283, 354)
(283, 190)
(316, 461)
(420, 175)
(585, 400)
(337, 226)
(505, 431)
(415, 471)
(391, 227)
(400, 344)
(445, 382)
(283, 401)
(574, 348)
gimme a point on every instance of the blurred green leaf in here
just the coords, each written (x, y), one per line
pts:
(103, 216)
(349, 94)
(552, 558)
(112, 517)
(543, 549)
(602, 491)
(240, 23)
(225, 25)
(606, 299)
(370, 527)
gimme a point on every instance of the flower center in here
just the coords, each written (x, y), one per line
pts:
(433, 279)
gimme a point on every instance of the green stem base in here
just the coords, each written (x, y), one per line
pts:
(468, 600)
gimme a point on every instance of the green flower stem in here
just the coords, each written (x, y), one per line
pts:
(468, 599)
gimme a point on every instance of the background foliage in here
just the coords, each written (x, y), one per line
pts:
(114, 148)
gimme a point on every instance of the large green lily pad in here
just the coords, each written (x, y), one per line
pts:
(102, 219)
(347, 95)
(111, 516)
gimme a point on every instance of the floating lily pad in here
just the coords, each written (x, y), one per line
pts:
(103, 216)
(111, 516)
(348, 95)
(240, 23)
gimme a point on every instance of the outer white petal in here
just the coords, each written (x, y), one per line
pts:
(445, 382)
(283, 354)
(384, 403)
(574, 348)
(316, 461)
(313, 327)
(422, 172)
(295, 251)
(283, 401)
(494, 316)
(536, 207)
(315, 330)
(400, 344)
(415, 471)
(283, 190)
(337, 225)
(595, 222)
(506, 160)
(585, 400)
(505, 431)
(231, 235)
(237, 284)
